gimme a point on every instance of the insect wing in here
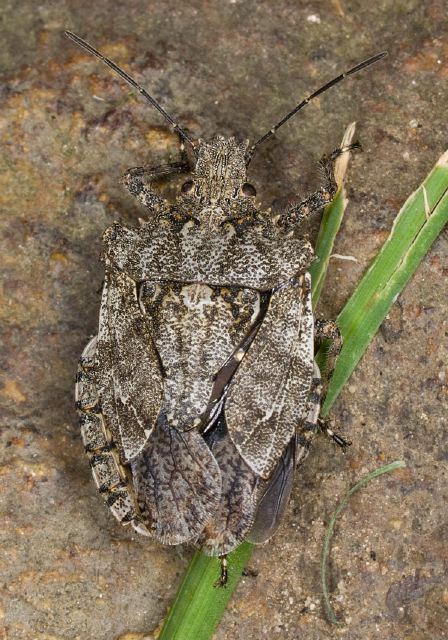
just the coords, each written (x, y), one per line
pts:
(177, 483)
(267, 397)
(274, 497)
(128, 371)
(275, 492)
(236, 510)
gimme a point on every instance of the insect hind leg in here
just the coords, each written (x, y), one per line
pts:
(313, 423)
(310, 424)
(224, 576)
(324, 425)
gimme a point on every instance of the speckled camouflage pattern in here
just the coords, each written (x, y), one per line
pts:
(177, 484)
(269, 390)
(200, 374)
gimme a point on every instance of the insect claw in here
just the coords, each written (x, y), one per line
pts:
(355, 146)
(339, 440)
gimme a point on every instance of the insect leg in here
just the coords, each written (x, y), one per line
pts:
(324, 424)
(325, 331)
(222, 580)
(311, 422)
(299, 212)
(143, 191)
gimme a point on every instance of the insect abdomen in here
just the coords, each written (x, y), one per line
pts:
(109, 475)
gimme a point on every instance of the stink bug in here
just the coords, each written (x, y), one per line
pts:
(199, 396)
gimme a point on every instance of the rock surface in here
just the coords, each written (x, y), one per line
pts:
(69, 130)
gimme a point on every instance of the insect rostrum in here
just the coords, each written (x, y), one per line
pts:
(199, 395)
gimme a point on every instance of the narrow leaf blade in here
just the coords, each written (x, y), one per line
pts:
(417, 225)
(331, 221)
(199, 606)
(398, 464)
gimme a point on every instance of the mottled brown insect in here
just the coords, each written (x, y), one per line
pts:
(199, 395)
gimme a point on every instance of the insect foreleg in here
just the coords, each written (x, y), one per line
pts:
(299, 212)
(143, 190)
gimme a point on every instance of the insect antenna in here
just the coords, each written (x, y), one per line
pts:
(85, 45)
(304, 102)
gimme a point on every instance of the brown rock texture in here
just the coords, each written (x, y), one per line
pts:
(69, 129)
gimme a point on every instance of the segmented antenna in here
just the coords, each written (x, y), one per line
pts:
(292, 113)
(85, 45)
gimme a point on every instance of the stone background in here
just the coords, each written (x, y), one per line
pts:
(69, 130)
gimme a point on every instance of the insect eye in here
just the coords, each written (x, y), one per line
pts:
(187, 186)
(248, 190)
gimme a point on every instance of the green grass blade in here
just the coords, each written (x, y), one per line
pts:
(398, 464)
(417, 225)
(199, 606)
(331, 221)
